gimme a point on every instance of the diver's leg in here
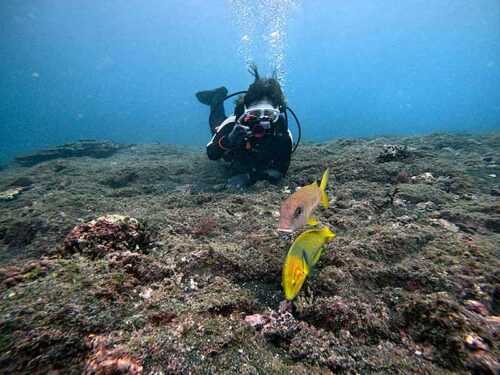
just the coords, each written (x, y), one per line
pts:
(215, 99)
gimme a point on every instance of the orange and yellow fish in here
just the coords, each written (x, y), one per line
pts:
(301, 258)
(296, 210)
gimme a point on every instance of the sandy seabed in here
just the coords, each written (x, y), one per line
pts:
(135, 259)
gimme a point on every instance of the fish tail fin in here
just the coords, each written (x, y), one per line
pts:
(322, 186)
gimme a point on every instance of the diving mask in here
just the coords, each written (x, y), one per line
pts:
(263, 110)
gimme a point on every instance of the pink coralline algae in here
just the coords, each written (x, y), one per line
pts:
(402, 178)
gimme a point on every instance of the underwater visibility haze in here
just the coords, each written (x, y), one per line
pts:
(127, 247)
(128, 71)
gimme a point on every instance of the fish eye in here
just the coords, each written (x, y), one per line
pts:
(298, 211)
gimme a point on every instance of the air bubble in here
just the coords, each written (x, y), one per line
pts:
(263, 26)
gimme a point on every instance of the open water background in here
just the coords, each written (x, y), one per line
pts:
(127, 70)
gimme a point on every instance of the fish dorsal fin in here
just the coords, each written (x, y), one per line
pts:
(312, 221)
(322, 187)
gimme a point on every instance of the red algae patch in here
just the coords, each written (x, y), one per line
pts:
(104, 235)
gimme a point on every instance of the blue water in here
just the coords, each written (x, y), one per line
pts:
(127, 70)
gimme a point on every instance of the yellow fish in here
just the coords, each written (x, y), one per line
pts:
(296, 210)
(302, 257)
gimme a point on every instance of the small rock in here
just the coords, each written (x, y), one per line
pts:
(476, 306)
(426, 206)
(405, 219)
(146, 293)
(445, 224)
(475, 343)
(286, 190)
(469, 196)
(257, 320)
(10, 194)
(393, 153)
(193, 285)
(426, 177)
(399, 202)
(105, 235)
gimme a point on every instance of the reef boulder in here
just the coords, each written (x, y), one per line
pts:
(393, 153)
(104, 235)
(88, 147)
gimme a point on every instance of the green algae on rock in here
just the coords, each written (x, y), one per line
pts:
(192, 284)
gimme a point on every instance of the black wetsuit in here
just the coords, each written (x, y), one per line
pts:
(258, 154)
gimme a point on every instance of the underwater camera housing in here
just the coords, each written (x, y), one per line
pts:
(285, 112)
(260, 127)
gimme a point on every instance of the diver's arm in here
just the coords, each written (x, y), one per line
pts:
(218, 144)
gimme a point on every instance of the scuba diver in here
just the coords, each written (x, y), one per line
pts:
(255, 139)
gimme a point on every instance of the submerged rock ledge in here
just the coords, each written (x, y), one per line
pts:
(87, 147)
(139, 263)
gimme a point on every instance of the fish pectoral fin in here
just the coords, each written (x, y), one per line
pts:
(312, 221)
(306, 263)
(316, 257)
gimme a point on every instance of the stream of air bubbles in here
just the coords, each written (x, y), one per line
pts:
(262, 25)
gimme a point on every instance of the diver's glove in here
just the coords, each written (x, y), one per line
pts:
(272, 175)
(237, 137)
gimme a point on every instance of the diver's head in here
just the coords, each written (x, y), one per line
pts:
(262, 104)
(267, 89)
(260, 117)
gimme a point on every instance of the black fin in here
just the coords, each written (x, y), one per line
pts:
(210, 97)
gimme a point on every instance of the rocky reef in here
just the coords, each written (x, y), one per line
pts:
(139, 263)
(87, 147)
